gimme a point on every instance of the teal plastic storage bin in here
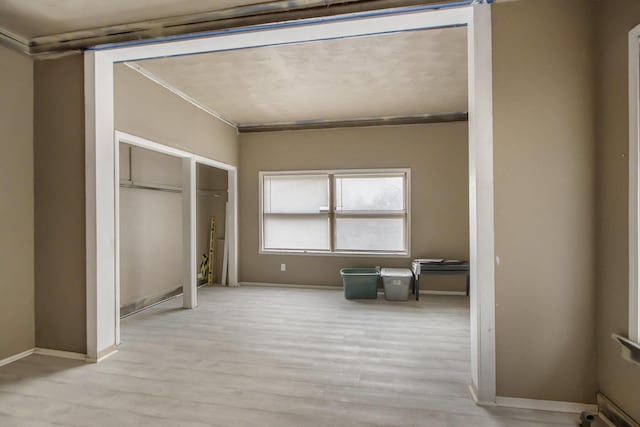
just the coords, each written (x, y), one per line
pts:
(360, 283)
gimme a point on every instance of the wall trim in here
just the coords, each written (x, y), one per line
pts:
(634, 185)
(545, 405)
(144, 303)
(612, 414)
(148, 74)
(606, 420)
(291, 285)
(107, 352)
(336, 288)
(474, 396)
(60, 354)
(419, 119)
(44, 352)
(16, 357)
(14, 41)
(452, 293)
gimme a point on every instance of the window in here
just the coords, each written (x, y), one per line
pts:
(352, 212)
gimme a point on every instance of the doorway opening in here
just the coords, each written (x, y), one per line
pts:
(100, 157)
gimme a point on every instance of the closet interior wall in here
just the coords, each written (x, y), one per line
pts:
(151, 224)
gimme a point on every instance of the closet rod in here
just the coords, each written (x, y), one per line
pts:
(150, 187)
(167, 189)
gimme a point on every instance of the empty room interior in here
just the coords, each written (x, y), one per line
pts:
(323, 213)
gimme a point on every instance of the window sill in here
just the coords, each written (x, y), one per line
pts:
(338, 254)
(630, 349)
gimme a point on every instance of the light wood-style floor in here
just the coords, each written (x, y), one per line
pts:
(269, 357)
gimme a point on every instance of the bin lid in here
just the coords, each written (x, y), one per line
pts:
(359, 272)
(396, 272)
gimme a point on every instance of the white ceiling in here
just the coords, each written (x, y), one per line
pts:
(34, 18)
(411, 73)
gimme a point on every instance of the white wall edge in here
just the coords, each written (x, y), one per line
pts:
(16, 357)
(99, 204)
(634, 184)
(481, 205)
(232, 227)
(546, 405)
(141, 142)
(189, 274)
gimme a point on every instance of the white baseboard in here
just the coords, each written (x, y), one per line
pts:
(546, 405)
(336, 287)
(16, 357)
(288, 285)
(612, 414)
(606, 420)
(59, 353)
(108, 352)
(474, 397)
(458, 293)
(44, 352)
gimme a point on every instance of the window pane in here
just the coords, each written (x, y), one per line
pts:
(296, 194)
(375, 234)
(361, 193)
(296, 232)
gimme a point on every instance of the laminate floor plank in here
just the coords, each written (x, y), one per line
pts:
(279, 357)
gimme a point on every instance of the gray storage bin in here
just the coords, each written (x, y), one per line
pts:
(397, 282)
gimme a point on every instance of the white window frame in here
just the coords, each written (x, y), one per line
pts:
(634, 184)
(333, 213)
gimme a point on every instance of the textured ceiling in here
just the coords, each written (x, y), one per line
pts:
(33, 18)
(411, 73)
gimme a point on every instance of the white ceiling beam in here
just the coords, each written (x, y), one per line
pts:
(289, 32)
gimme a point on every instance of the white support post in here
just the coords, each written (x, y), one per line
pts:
(189, 278)
(100, 206)
(481, 227)
(634, 183)
(116, 210)
(232, 227)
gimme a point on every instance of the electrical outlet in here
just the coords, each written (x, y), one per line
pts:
(283, 267)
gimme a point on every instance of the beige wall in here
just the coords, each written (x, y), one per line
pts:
(437, 155)
(17, 328)
(59, 204)
(544, 199)
(618, 379)
(144, 108)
